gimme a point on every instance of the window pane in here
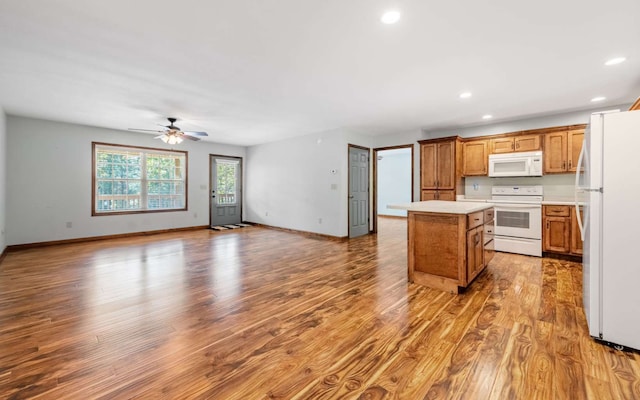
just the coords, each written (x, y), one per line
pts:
(226, 181)
(130, 179)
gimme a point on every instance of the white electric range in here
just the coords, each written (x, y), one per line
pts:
(518, 219)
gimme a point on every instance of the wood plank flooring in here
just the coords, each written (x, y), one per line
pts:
(255, 313)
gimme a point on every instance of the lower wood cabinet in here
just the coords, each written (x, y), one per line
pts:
(448, 195)
(446, 251)
(560, 230)
(475, 252)
(576, 237)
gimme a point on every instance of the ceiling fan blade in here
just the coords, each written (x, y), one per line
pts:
(159, 136)
(190, 137)
(193, 133)
(146, 130)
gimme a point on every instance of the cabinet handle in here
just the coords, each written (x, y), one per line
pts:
(517, 145)
(564, 165)
(547, 224)
(569, 164)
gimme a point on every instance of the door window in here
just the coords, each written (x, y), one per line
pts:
(227, 178)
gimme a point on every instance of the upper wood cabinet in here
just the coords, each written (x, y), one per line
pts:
(440, 161)
(475, 157)
(561, 151)
(438, 165)
(574, 146)
(510, 144)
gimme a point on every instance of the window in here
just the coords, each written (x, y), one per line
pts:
(138, 179)
(226, 180)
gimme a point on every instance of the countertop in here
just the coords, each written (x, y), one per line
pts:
(444, 207)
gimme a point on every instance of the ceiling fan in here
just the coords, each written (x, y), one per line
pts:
(173, 134)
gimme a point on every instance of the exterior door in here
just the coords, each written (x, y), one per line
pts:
(358, 191)
(226, 190)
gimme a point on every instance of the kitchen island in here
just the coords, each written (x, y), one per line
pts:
(449, 242)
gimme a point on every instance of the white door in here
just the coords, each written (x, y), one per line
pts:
(358, 191)
(226, 190)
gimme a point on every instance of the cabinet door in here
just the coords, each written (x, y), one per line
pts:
(574, 145)
(428, 165)
(475, 252)
(576, 239)
(555, 152)
(556, 234)
(446, 159)
(527, 143)
(474, 158)
(449, 195)
(426, 195)
(502, 145)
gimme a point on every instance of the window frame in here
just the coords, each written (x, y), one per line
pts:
(146, 150)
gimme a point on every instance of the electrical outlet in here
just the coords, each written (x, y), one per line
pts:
(195, 215)
(69, 225)
(266, 213)
(319, 220)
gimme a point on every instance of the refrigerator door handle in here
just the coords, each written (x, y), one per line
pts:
(577, 205)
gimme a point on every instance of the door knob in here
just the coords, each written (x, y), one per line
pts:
(351, 197)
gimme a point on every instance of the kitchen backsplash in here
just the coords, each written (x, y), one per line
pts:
(555, 186)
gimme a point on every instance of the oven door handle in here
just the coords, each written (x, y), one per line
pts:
(499, 207)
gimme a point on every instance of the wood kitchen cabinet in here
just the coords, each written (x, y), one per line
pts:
(510, 144)
(576, 237)
(446, 250)
(574, 146)
(561, 233)
(475, 157)
(562, 150)
(475, 252)
(449, 195)
(439, 168)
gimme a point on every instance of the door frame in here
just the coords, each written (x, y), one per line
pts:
(368, 149)
(212, 158)
(375, 178)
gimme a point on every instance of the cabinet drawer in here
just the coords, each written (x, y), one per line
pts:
(488, 215)
(475, 219)
(556, 211)
(488, 229)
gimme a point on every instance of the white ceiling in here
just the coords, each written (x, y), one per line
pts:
(250, 72)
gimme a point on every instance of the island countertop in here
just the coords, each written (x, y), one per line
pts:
(441, 206)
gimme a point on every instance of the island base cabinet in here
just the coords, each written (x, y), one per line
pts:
(475, 252)
(445, 251)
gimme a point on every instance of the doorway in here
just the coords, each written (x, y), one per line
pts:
(393, 180)
(358, 191)
(226, 190)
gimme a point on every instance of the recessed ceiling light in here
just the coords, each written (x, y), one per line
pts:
(615, 61)
(390, 17)
(465, 95)
(487, 116)
(597, 99)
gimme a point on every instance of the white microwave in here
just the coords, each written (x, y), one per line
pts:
(516, 164)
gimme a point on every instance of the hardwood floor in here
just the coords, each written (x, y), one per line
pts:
(255, 313)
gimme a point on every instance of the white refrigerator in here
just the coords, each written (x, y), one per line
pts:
(609, 186)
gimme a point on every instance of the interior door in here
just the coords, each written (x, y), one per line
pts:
(226, 190)
(358, 191)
